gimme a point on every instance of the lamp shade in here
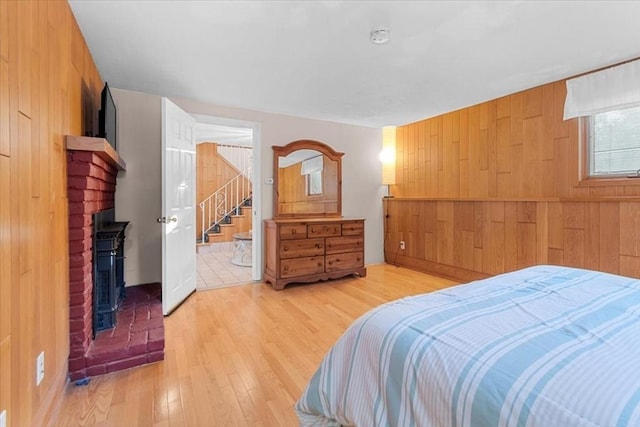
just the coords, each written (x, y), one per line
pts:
(388, 155)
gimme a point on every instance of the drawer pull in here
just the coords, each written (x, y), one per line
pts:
(318, 246)
(286, 248)
(319, 264)
(313, 230)
(293, 231)
(286, 267)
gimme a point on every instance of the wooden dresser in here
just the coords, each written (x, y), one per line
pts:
(309, 250)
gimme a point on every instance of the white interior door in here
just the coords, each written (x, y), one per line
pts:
(178, 206)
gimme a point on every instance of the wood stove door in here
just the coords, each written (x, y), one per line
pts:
(178, 206)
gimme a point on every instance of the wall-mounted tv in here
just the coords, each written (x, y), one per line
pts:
(107, 118)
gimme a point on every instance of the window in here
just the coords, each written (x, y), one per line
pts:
(608, 102)
(314, 183)
(312, 168)
(614, 143)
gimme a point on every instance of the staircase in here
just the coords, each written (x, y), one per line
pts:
(237, 221)
(223, 212)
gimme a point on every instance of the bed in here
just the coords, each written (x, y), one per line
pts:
(545, 346)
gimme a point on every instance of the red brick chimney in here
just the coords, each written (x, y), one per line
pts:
(91, 188)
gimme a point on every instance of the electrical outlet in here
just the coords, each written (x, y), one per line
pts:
(40, 368)
(3, 419)
(402, 246)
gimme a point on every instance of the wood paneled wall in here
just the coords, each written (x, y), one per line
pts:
(517, 147)
(473, 239)
(44, 64)
(494, 187)
(212, 172)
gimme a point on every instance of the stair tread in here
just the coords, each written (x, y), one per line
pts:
(241, 220)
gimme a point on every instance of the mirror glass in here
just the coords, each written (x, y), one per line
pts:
(308, 180)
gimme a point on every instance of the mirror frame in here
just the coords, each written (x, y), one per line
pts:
(306, 144)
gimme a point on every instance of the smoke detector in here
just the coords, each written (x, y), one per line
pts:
(380, 36)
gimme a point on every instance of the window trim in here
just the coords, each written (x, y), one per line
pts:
(586, 180)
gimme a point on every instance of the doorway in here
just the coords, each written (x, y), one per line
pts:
(229, 239)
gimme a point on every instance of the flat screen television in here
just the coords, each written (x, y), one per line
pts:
(107, 118)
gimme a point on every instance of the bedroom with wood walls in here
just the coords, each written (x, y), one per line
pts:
(496, 187)
(483, 190)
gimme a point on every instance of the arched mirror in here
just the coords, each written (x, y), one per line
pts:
(307, 180)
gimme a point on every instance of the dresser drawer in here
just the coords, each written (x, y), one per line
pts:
(345, 244)
(305, 250)
(324, 230)
(293, 231)
(293, 267)
(353, 229)
(297, 248)
(344, 261)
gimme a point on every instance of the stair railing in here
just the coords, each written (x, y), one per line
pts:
(224, 202)
(227, 200)
(239, 156)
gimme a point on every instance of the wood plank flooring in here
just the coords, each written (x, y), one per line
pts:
(238, 356)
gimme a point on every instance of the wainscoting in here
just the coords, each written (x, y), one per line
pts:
(467, 239)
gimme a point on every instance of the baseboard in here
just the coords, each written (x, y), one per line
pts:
(437, 269)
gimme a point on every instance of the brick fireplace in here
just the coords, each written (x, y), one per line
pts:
(138, 337)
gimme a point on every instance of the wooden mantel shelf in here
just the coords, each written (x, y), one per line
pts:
(100, 146)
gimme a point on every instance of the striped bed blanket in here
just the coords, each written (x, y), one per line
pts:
(545, 346)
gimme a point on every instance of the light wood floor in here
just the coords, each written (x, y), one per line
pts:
(238, 356)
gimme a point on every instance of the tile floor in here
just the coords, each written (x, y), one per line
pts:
(214, 268)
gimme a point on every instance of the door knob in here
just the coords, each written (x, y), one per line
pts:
(165, 220)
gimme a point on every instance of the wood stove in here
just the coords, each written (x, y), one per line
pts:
(108, 269)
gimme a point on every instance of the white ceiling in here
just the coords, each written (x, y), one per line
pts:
(314, 58)
(225, 135)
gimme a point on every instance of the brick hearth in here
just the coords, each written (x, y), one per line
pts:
(91, 188)
(138, 337)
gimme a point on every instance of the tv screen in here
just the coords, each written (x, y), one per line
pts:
(107, 117)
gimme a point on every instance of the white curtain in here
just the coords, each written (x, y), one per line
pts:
(615, 88)
(311, 165)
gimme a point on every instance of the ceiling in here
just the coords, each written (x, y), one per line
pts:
(225, 135)
(314, 59)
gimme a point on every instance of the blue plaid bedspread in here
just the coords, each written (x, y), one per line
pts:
(545, 346)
